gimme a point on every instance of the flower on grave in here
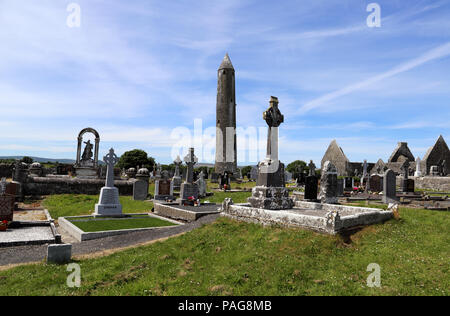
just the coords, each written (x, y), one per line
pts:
(4, 223)
(191, 198)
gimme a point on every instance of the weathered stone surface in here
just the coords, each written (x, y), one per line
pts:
(438, 184)
(379, 168)
(438, 155)
(140, 190)
(226, 146)
(336, 156)
(324, 218)
(59, 254)
(389, 187)
(273, 179)
(201, 183)
(401, 153)
(328, 184)
(270, 198)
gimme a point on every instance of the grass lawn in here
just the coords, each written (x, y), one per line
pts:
(76, 204)
(233, 258)
(117, 224)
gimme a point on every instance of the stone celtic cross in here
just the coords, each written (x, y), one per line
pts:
(190, 161)
(110, 159)
(273, 118)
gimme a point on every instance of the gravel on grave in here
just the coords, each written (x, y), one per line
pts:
(26, 235)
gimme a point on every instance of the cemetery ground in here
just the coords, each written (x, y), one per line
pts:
(227, 257)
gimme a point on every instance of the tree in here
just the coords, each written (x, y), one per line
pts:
(294, 166)
(27, 160)
(246, 171)
(135, 158)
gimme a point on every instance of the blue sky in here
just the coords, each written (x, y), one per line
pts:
(141, 72)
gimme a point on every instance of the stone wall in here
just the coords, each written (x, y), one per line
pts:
(37, 186)
(437, 184)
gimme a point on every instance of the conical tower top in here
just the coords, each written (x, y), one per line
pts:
(226, 63)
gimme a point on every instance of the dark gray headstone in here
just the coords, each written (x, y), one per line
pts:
(376, 183)
(140, 190)
(389, 187)
(59, 254)
(311, 187)
(328, 184)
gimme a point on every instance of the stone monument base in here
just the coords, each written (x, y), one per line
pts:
(188, 190)
(270, 198)
(86, 172)
(109, 204)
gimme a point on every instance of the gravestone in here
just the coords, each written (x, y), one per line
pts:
(311, 183)
(176, 180)
(407, 184)
(140, 190)
(376, 183)
(253, 173)
(340, 187)
(225, 181)
(270, 192)
(349, 183)
(389, 187)
(6, 203)
(164, 187)
(328, 184)
(201, 184)
(311, 188)
(109, 204)
(189, 188)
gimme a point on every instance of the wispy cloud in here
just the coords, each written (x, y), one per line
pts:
(324, 101)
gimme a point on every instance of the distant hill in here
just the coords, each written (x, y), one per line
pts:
(41, 160)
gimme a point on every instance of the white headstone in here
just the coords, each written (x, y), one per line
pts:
(109, 204)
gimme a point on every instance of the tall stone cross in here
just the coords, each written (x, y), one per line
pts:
(110, 159)
(177, 163)
(273, 118)
(312, 168)
(405, 169)
(190, 161)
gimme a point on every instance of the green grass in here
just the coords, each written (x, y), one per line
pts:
(218, 197)
(118, 224)
(232, 258)
(74, 205)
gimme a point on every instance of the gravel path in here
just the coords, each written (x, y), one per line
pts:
(28, 254)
